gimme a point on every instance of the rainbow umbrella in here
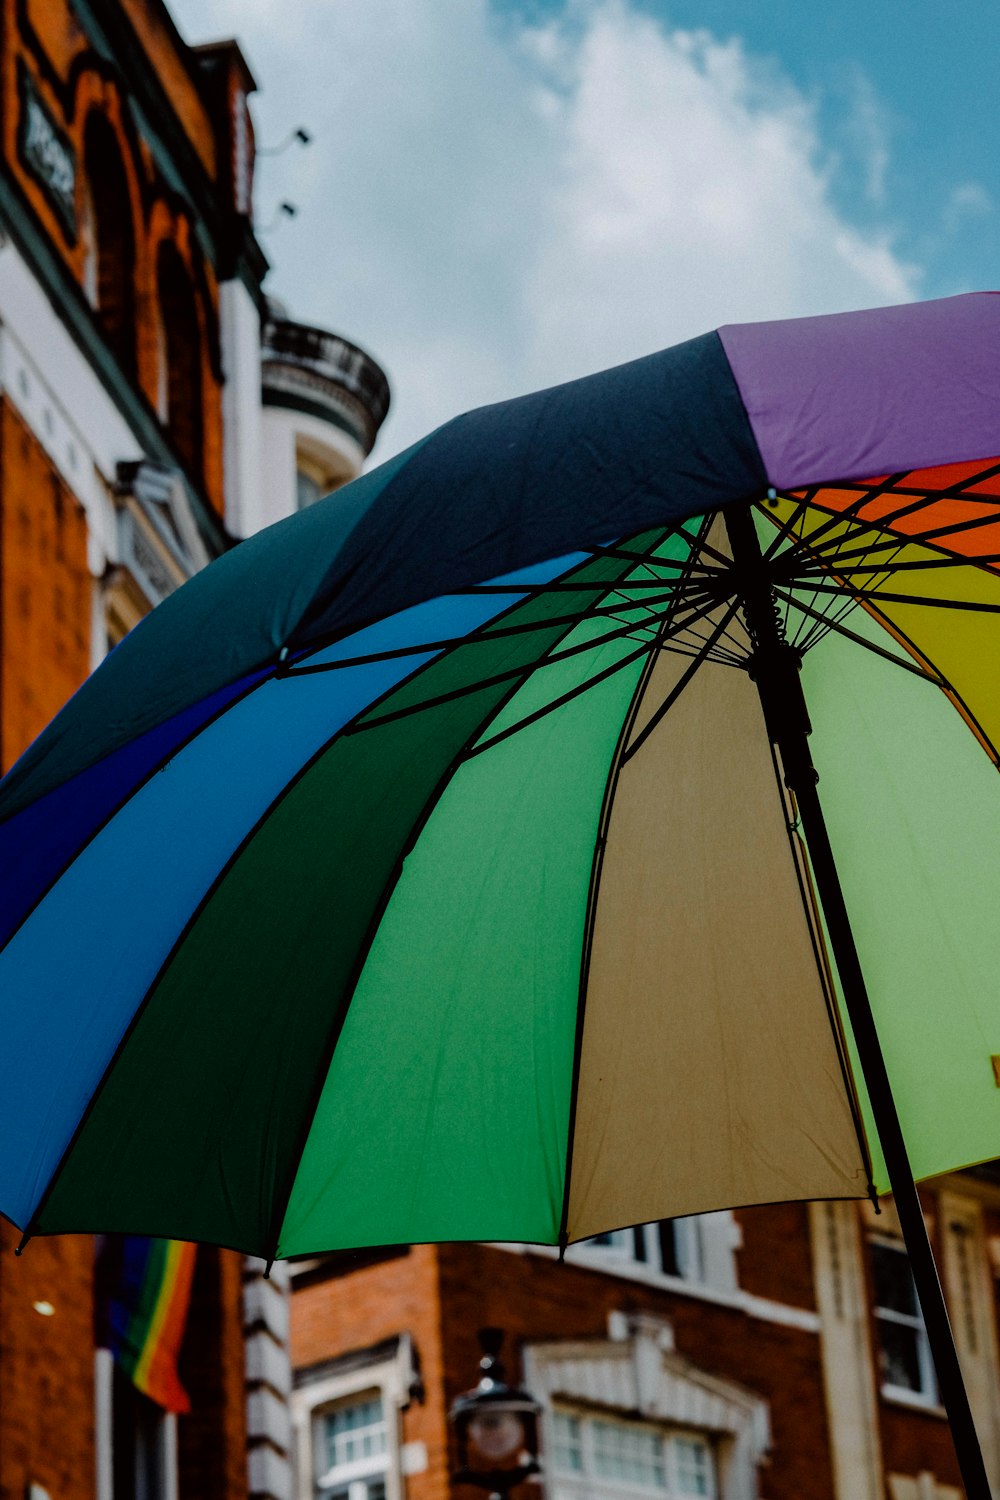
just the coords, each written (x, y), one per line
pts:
(448, 862)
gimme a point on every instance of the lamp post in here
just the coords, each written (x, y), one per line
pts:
(496, 1426)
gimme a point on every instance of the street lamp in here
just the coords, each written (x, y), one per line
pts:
(496, 1426)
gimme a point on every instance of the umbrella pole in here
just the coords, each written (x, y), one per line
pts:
(775, 669)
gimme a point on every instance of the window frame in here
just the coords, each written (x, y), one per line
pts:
(587, 1483)
(321, 465)
(375, 1466)
(388, 1378)
(104, 1436)
(928, 1394)
(617, 1251)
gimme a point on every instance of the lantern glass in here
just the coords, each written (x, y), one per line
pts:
(497, 1434)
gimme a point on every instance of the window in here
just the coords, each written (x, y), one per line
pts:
(319, 469)
(599, 1458)
(352, 1450)
(904, 1352)
(109, 249)
(308, 489)
(135, 1440)
(180, 345)
(673, 1247)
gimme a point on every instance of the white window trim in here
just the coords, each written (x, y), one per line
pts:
(969, 1291)
(389, 1379)
(636, 1372)
(726, 1241)
(588, 1482)
(693, 1245)
(928, 1397)
(373, 1467)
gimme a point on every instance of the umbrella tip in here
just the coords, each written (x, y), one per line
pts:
(25, 1239)
(268, 1268)
(563, 1245)
(873, 1195)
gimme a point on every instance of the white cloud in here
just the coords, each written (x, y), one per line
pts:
(867, 128)
(489, 206)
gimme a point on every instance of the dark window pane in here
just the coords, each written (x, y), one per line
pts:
(668, 1247)
(135, 1443)
(115, 241)
(639, 1243)
(893, 1280)
(898, 1355)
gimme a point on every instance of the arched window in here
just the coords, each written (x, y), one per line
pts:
(109, 270)
(180, 346)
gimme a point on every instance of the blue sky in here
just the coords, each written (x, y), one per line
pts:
(921, 74)
(500, 196)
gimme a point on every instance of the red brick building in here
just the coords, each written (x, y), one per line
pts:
(768, 1354)
(154, 406)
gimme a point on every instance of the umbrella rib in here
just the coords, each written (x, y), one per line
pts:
(175, 750)
(941, 680)
(875, 595)
(808, 555)
(929, 537)
(828, 567)
(894, 485)
(484, 636)
(679, 686)
(835, 625)
(488, 633)
(658, 643)
(787, 527)
(525, 590)
(957, 491)
(815, 596)
(626, 554)
(933, 675)
(932, 564)
(221, 876)
(597, 864)
(535, 590)
(361, 726)
(864, 497)
(365, 946)
(890, 542)
(562, 700)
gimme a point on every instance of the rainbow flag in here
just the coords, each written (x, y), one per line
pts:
(144, 1288)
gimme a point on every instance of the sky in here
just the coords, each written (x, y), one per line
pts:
(499, 196)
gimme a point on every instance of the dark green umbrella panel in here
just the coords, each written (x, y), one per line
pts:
(425, 869)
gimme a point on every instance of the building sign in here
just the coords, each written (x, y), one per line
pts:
(46, 151)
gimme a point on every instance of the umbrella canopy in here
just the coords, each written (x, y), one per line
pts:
(425, 869)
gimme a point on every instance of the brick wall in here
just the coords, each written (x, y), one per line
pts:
(211, 1438)
(775, 1260)
(536, 1299)
(47, 1368)
(443, 1295)
(45, 588)
(48, 41)
(46, 1361)
(375, 1302)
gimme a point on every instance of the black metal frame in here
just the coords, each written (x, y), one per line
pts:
(775, 670)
